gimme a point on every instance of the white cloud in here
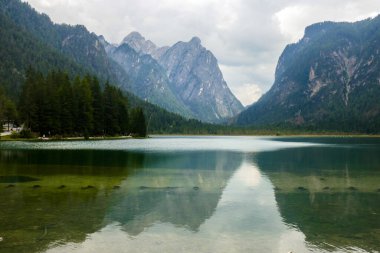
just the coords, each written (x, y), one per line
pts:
(248, 93)
(294, 18)
(247, 36)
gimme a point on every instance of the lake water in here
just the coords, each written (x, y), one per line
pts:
(191, 194)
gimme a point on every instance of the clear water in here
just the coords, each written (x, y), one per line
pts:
(191, 194)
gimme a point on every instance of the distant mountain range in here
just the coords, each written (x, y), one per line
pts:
(29, 39)
(184, 79)
(329, 80)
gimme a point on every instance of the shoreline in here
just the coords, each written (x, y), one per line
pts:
(80, 138)
(301, 135)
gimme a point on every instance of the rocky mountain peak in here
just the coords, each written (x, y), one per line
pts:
(196, 78)
(184, 78)
(136, 41)
(195, 40)
(133, 36)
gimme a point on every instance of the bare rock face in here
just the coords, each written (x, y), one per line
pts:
(184, 78)
(329, 80)
(147, 78)
(195, 76)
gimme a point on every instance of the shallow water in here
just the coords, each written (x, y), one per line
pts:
(191, 194)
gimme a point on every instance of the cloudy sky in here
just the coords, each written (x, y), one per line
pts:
(246, 36)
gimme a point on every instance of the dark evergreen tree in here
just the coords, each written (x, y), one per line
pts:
(138, 123)
(123, 115)
(97, 105)
(66, 115)
(111, 111)
(10, 113)
(28, 107)
(84, 110)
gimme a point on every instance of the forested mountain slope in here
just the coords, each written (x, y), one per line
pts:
(329, 80)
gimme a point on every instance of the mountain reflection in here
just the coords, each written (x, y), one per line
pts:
(306, 199)
(182, 189)
(79, 192)
(330, 194)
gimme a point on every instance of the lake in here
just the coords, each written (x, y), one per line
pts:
(191, 194)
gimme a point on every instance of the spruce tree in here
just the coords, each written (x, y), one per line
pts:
(111, 111)
(138, 122)
(97, 105)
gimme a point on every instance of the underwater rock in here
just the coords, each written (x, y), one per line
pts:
(301, 188)
(158, 188)
(170, 188)
(88, 187)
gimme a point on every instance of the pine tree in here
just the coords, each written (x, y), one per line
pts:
(66, 117)
(97, 105)
(84, 110)
(111, 111)
(138, 123)
(28, 107)
(10, 113)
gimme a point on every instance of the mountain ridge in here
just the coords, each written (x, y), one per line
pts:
(202, 89)
(89, 51)
(328, 80)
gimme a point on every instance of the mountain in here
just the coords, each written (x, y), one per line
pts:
(74, 42)
(142, 46)
(186, 71)
(136, 65)
(196, 78)
(148, 79)
(329, 80)
(28, 38)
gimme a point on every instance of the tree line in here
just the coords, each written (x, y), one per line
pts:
(55, 105)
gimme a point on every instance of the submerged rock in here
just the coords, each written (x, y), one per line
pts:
(158, 188)
(88, 187)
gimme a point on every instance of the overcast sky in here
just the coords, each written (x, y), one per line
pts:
(246, 36)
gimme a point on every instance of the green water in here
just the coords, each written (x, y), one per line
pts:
(191, 194)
